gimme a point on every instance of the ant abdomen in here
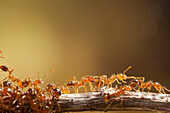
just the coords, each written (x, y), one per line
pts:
(3, 68)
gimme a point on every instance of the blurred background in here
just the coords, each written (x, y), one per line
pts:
(79, 38)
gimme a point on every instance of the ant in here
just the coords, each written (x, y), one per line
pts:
(122, 77)
(100, 80)
(149, 85)
(76, 84)
(117, 92)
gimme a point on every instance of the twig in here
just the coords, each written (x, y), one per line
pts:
(95, 102)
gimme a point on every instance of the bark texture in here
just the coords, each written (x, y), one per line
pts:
(134, 102)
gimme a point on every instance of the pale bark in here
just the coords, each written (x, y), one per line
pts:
(95, 102)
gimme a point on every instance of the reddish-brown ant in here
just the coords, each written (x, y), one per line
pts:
(142, 85)
(100, 80)
(117, 92)
(122, 77)
(76, 84)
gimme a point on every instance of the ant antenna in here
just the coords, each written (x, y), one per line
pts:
(38, 75)
(48, 72)
(127, 69)
(2, 56)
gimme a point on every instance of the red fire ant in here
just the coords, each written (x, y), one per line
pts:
(149, 85)
(122, 77)
(77, 85)
(100, 80)
(118, 92)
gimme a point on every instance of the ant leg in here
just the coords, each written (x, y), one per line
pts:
(166, 89)
(85, 90)
(123, 81)
(142, 91)
(111, 85)
(165, 93)
(12, 69)
(4, 79)
(121, 101)
(108, 85)
(127, 69)
(131, 77)
(115, 88)
(143, 78)
(108, 105)
(117, 81)
(59, 109)
(75, 90)
(149, 89)
(91, 87)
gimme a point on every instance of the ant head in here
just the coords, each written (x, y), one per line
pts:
(70, 84)
(123, 76)
(50, 85)
(7, 84)
(25, 84)
(56, 92)
(40, 81)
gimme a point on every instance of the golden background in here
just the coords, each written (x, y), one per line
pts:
(79, 38)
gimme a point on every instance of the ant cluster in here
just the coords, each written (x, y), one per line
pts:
(36, 99)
